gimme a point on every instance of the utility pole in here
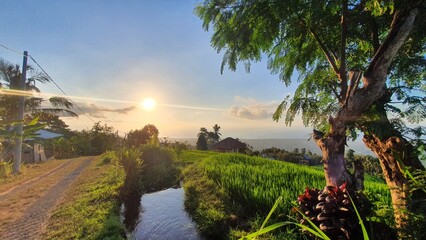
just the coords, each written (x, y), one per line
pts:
(20, 125)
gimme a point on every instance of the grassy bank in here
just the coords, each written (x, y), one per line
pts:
(204, 200)
(90, 208)
(231, 193)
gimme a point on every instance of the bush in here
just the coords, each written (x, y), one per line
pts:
(108, 157)
(158, 168)
(5, 169)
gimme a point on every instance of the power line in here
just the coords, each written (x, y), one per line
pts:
(12, 50)
(51, 79)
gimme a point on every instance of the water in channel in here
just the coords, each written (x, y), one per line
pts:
(162, 216)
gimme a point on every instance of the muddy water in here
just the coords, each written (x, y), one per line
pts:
(162, 216)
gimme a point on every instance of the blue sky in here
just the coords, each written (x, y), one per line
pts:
(110, 55)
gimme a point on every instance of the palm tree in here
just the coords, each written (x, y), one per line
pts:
(10, 76)
(216, 133)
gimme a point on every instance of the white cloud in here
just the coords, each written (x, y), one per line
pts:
(252, 108)
(97, 111)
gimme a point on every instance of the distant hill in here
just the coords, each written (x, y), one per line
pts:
(290, 144)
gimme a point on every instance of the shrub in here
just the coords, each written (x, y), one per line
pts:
(108, 157)
(158, 168)
(5, 169)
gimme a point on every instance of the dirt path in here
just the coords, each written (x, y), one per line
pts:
(51, 186)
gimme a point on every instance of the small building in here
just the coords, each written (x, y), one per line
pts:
(228, 145)
(33, 151)
(306, 160)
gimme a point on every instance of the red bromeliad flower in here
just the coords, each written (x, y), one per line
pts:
(332, 211)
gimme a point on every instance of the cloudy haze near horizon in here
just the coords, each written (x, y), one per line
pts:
(109, 56)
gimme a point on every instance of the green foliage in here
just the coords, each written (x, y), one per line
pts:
(293, 157)
(103, 138)
(201, 143)
(93, 212)
(158, 168)
(204, 200)
(177, 146)
(99, 139)
(255, 183)
(206, 138)
(5, 169)
(262, 229)
(305, 37)
(130, 160)
(10, 78)
(142, 136)
(109, 157)
(248, 187)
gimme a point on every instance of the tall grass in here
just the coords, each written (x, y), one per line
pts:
(249, 187)
(255, 183)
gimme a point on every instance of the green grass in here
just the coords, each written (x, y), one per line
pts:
(90, 209)
(257, 182)
(249, 186)
(204, 200)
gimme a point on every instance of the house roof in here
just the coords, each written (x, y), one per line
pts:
(44, 134)
(228, 144)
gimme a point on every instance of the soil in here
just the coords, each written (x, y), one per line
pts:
(26, 208)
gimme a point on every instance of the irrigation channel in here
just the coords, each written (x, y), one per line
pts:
(162, 215)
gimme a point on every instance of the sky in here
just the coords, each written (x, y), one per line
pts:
(109, 56)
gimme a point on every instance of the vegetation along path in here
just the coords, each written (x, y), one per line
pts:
(27, 219)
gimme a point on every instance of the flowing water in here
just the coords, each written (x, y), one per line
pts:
(162, 216)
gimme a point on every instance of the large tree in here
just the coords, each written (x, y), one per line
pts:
(352, 57)
(141, 136)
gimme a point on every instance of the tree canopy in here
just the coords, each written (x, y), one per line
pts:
(141, 136)
(325, 42)
(209, 137)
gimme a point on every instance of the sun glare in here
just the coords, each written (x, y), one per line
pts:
(148, 104)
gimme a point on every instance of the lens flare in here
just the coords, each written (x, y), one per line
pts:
(148, 104)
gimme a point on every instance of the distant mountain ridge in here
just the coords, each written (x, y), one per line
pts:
(290, 144)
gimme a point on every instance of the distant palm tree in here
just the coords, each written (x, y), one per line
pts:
(216, 133)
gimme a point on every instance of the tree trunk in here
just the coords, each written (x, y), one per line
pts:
(396, 155)
(333, 155)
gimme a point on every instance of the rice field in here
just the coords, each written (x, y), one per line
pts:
(255, 183)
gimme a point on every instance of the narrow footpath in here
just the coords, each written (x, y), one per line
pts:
(29, 218)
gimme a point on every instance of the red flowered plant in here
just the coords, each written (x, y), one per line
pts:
(332, 211)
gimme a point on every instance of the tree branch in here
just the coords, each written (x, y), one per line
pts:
(333, 89)
(400, 29)
(342, 70)
(323, 47)
(374, 34)
(376, 73)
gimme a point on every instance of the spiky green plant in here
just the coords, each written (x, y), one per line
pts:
(129, 159)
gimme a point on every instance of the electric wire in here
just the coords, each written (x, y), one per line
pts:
(51, 79)
(12, 50)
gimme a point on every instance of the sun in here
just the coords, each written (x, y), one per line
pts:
(148, 104)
